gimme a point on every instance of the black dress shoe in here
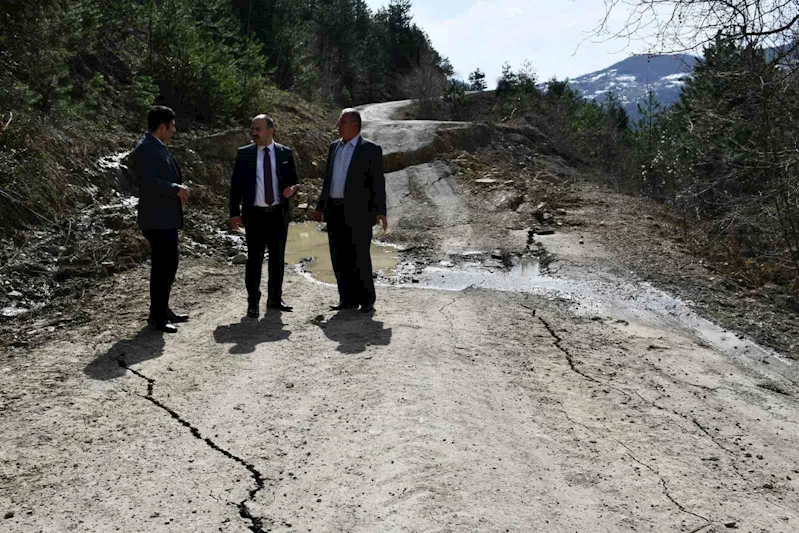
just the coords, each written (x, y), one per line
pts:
(165, 326)
(343, 307)
(280, 307)
(367, 308)
(176, 318)
(252, 312)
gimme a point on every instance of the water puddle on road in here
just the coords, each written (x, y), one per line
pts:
(598, 296)
(307, 247)
(595, 295)
(523, 276)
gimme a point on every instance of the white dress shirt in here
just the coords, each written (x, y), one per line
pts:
(341, 165)
(260, 198)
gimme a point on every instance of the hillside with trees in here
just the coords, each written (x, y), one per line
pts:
(724, 157)
(79, 76)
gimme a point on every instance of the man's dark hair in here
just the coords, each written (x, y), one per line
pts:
(159, 114)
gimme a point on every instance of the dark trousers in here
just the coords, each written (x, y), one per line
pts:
(350, 244)
(266, 230)
(164, 266)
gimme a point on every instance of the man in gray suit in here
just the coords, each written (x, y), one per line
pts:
(161, 198)
(353, 200)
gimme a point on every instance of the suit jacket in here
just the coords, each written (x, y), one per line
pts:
(244, 179)
(158, 175)
(365, 187)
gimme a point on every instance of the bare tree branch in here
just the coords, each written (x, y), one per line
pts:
(5, 127)
(669, 26)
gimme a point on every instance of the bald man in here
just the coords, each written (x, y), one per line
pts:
(263, 182)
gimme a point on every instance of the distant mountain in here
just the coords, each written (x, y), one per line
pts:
(632, 78)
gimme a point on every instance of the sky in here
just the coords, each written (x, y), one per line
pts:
(551, 34)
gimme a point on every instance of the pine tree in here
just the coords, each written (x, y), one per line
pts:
(507, 81)
(477, 80)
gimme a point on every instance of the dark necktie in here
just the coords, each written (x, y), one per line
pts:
(269, 195)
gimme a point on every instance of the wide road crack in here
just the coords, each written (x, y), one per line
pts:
(702, 429)
(451, 329)
(690, 419)
(568, 354)
(257, 525)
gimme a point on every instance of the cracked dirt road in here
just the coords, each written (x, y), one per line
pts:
(447, 411)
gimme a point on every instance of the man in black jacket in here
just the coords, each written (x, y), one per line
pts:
(264, 179)
(161, 198)
(353, 200)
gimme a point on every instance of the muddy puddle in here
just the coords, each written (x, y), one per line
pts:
(599, 296)
(308, 250)
(524, 275)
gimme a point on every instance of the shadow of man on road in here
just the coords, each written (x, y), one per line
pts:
(249, 333)
(146, 344)
(355, 331)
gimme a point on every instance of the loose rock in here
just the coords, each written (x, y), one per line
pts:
(506, 200)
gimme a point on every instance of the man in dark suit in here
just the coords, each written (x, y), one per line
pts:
(353, 200)
(161, 198)
(264, 179)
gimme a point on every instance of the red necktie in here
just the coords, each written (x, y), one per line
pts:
(269, 195)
